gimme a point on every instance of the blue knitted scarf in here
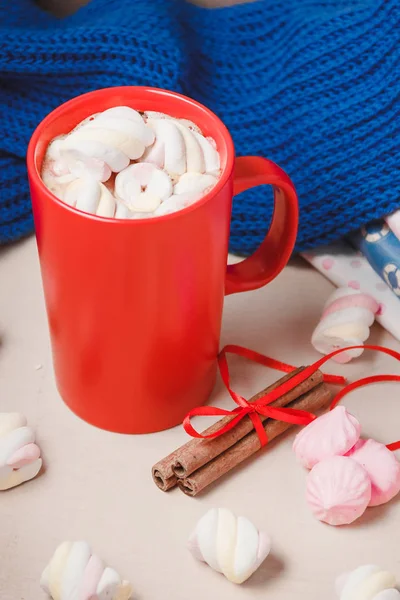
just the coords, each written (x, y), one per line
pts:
(311, 84)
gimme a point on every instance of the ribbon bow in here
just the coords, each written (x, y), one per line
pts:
(262, 406)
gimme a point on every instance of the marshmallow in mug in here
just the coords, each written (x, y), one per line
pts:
(122, 164)
(102, 144)
(19, 455)
(180, 147)
(75, 572)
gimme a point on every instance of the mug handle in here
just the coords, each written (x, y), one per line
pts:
(275, 250)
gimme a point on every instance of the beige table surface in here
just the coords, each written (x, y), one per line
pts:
(97, 485)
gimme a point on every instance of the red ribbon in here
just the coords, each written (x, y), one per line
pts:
(261, 406)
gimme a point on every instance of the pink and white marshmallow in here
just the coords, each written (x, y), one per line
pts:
(346, 321)
(19, 455)
(75, 572)
(228, 544)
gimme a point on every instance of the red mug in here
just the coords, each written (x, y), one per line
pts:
(135, 306)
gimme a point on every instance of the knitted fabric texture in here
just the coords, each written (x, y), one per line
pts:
(311, 84)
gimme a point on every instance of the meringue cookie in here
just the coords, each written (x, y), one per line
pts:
(368, 582)
(331, 434)
(338, 490)
(19, 455)
(382, 467)
(75, 573)
(228, 544)
(142, 187)
(346, 321)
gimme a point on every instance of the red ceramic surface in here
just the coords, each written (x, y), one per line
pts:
(134, 306)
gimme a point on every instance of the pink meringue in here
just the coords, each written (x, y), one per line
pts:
(338, 490)
(332, 434)
(382, 467)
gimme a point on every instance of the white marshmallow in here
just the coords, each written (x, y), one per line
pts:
(122, 211)
(180, 147)
(195, 162)
(367, 583)
(228, 544)
(142, 187)
(174, 203)
(121, 112)
(195, 183)
(105, 143)
(90, 196)
(153, 114)
(168, 151)
(211, 156)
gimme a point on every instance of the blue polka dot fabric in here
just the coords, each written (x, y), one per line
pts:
(312, 85)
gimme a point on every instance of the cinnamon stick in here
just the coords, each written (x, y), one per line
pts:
(197, 452)
(311, 401)
(160, 473)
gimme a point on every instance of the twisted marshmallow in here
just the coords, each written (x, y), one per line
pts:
(19, 455)
(346, 321)
(367, 583)
(89, 195)
(74, 573)
(180, 147)
(228, 544)
(103, 144)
